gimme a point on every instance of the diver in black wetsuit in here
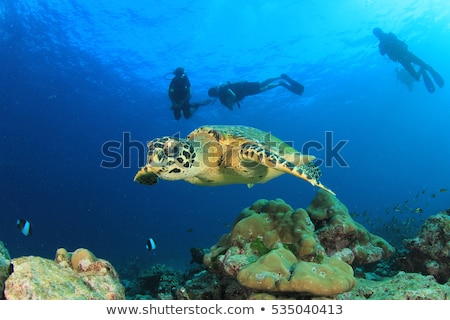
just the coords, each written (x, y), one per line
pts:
(397, 51)
(232, 93)
(180, 93)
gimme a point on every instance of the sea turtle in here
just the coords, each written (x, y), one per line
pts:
(219, 155)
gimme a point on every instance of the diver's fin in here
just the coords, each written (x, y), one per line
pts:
(428, 83)
(294, 87)
(437, 77)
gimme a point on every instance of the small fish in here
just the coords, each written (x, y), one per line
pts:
(24, 227)
(150, 245)
(433, 195)
(189, 230)
(418, 210)
(443, 190)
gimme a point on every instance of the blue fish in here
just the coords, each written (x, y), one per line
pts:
(150, 245)
(24, 227)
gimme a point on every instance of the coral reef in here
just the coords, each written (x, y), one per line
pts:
(5, 267)
(274, 248)
(271, 252)
(205, 285)
(163, 282)
(341, 236)
(402, 286)
(429, 252)
(39, 278)
(158, 282)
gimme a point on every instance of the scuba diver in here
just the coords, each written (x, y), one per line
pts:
(397, 51)
(231, 93)
(180, 94)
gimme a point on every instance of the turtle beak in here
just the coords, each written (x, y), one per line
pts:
(146, 176)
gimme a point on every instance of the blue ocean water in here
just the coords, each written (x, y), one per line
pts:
(79, 74)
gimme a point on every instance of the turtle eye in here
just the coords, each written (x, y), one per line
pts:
(172, 148)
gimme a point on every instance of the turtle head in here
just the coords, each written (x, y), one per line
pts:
(168, 158)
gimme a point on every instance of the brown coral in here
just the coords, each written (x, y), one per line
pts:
(273, 247)
(81, 259)
(337, 231)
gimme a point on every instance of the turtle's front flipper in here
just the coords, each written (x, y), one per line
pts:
(309, 171)
(144, 176)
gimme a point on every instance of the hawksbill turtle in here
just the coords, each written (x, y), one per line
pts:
(220, 155)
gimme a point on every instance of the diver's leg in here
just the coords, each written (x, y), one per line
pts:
(409, 67)
(177, 113)
(269, 86)
(188, 110)
(417, 61)
(266, 83)
(436, 76)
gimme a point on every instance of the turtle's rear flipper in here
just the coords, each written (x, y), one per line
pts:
(427, 81)
(437, 77)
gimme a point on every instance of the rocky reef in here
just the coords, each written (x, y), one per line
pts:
(70, 276)
(429, 252)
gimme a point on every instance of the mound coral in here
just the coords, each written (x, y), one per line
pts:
(81, 259)
(338, 232)
(274, 248)
(280, 271)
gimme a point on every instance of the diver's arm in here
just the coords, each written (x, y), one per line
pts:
(381, 49)
(231, 98)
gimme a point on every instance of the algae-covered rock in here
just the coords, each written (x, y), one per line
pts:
(5, 267)
(402, 286)
(37, 278)
(429, 252)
